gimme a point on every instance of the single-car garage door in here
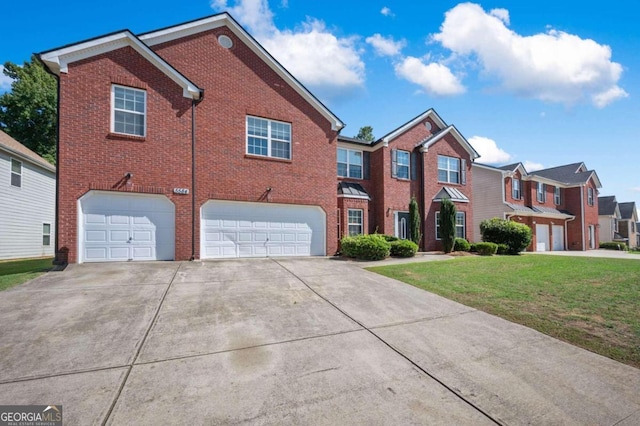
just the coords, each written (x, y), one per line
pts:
(243, 229)
(121, 227)
(542, 237)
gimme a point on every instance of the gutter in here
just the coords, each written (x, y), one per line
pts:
(566, 232)
(584, 245)
(194, 103)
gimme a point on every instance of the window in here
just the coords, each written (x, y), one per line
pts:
(590, 196)
(46, 234)
(268, 138)
(515, 188)
(349, 163)
(354, 221)
(557, 199)
(16, 173)
(448, 169)
(542, 192)
(615, 224)
(460, 225)
(129, 109)
(400, 161)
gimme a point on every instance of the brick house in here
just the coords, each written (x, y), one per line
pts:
(424, 158)
(559, 204)
(189, 142)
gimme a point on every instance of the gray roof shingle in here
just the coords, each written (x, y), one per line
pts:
(626, 210)
(12, 145)
(607, 205)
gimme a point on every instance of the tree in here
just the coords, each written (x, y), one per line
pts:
(366, 134)
(447, 225)
(414, 221)
(28, 113)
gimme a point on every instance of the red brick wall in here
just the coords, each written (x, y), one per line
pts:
(344, 204)
(236, 83)
(508, 189)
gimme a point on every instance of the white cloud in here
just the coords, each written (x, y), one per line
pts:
(386, 46)
(5, 82)
(328, 65)
(434, 78)
(553, 66)
(386, 11)
(636, 189)
(531, 166)
(489, 151)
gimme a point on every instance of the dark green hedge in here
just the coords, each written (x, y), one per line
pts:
(366, 247)
(516, 236)
(486, 249)
(403, 248)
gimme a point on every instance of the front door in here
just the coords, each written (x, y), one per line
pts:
(402, 226)
(592, 237)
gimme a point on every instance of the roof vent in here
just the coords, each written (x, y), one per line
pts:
(225, 41)
(428, 125)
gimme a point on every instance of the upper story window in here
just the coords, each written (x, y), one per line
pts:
(515, 189)
(448, 169)
(268, 138)
(16, 173)
(557, 197)
(590, 196)
(542, 192)
(349, 163)
(400, 164)
(128, 110)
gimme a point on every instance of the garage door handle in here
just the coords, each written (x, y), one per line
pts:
(130, 239)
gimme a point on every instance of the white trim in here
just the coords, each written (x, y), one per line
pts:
(11, 172)
(58, 60)
(50, 234)
(395, 224)
(430, 113)
(269, 137)
(360, 147)
(361, 224)
(349, 164)
(426, 144)
(224, 19)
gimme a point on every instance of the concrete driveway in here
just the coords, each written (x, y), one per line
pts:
(287, 341)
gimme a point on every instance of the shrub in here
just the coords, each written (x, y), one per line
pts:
(366, 247)
(389, 238)
(414, 221)
(403, 248)
(461, 245)
(486, 249)
(473, 248)
(614, 246)
(516, 236)
(503, 249)
(447, 225)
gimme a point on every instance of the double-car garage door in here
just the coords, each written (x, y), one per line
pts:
(127, 227)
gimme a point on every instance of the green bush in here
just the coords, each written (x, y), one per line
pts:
(461, 245)
(390, 238)
(503, 249)
(366, 247)
(516, 236)
(473, 248)
(614, 246)
(486, 249)
(403, 248)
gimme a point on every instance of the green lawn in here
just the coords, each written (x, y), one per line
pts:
(14, 272)
(591, 303)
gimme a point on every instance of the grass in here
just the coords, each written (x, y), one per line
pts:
(15, 272)
(588, 302)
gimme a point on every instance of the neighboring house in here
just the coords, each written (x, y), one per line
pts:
(559, 204)
(190, 142)
(609, 220)
(424, 158)
(27, 202)
(627, 224)
(637, 234)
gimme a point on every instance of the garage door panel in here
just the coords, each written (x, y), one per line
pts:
(261, 230)
(123, 227)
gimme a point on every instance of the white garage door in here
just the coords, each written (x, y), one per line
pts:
(122, 227)
(242, 229)
(542, 237)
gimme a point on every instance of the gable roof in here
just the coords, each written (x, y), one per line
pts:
(512, 168)
(58, 60)
(15, 148)
(430, 113)
(607, 205)
(208, 23)
(569, 174)
(427, 143)
(356, 141)
(627, 210)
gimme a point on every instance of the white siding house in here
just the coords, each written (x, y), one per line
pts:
(488, 190)
(27, 202)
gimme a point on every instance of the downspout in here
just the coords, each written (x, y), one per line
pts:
(584, 245)
(423, 199)
(194, 103)
(566, 233)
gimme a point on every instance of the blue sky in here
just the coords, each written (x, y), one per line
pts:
(545, 83)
